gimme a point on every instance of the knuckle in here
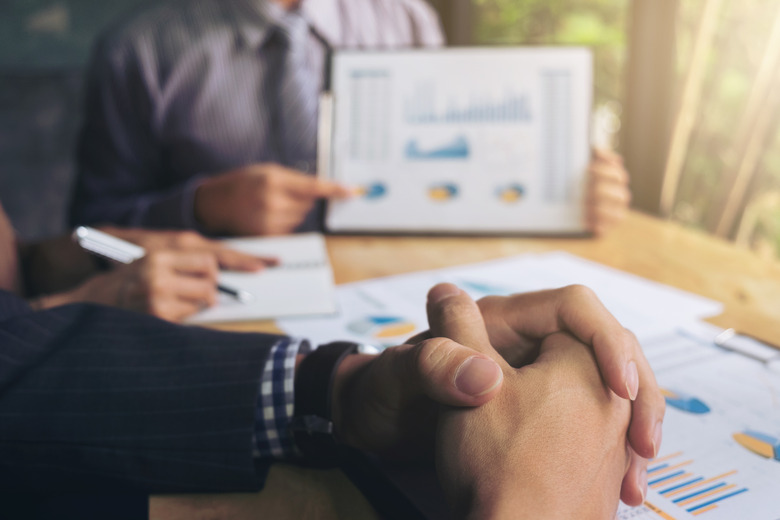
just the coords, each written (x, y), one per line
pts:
(273, 204)
(159, 259)
(454, 309)
(659, 402)
(578, 292)
(432, 354)
(273, 178)
(189, 239)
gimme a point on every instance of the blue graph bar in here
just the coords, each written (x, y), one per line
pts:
(667, 477)
(700, 492)
(661, 466)
(678, 486)
(724, 497)
(421, 109)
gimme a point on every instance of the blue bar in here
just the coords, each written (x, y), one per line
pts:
(667, 477)
(678, 486)
(652, 470)
(717, 500)
(701, 491)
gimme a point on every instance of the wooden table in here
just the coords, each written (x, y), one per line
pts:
(748, 286)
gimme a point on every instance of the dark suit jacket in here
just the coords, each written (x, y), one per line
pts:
(94, 399)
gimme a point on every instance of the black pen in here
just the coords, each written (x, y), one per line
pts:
(118, 250)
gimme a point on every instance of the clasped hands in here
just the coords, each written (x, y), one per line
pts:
(536, 405)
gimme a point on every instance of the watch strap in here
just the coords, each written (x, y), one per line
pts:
(312, 424)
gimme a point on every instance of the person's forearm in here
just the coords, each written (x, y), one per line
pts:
(55, 265)
(52, 300)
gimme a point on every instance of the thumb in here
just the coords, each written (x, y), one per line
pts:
(452, 374)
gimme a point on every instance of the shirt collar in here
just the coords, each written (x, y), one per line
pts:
(257, 19)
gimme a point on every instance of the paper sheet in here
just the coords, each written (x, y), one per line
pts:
(301, 285)
(386, 311)
(720, 457)
(448, 140)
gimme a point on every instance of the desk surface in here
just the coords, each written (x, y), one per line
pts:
(748, 287)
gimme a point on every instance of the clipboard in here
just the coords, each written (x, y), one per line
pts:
(458, 141)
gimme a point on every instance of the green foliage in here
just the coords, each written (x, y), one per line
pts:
(731, 67)
(732, 64)
(598, 24)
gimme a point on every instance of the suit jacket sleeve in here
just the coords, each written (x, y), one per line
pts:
(98, 399)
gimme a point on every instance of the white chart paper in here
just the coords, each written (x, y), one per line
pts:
(720, 457)
(386, 311)
(460, 140)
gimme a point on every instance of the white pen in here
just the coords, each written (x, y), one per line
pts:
(118, 250)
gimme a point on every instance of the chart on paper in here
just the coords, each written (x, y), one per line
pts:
(721, 445)
(466, 139)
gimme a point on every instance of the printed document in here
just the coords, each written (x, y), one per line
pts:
(459, 140)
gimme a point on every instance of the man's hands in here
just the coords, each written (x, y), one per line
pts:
(260, 199)
(552, 444)
(517, 325)
(388, 404)
(607, 195)
(549, 433)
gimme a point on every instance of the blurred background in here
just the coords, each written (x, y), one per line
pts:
(690, 89)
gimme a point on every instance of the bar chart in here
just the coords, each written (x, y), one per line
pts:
(424, 105)
(673, 477)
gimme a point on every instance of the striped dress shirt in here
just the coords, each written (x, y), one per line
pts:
(189, 89)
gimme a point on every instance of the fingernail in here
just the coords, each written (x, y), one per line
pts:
(442, 291)
(477, 376)
(657, 435)
(643, 484)
(632, 380)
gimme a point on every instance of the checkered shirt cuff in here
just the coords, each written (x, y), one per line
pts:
(275, 404)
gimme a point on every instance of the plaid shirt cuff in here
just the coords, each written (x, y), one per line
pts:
(275, 404)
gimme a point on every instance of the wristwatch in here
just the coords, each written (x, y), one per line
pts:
(312, 422)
